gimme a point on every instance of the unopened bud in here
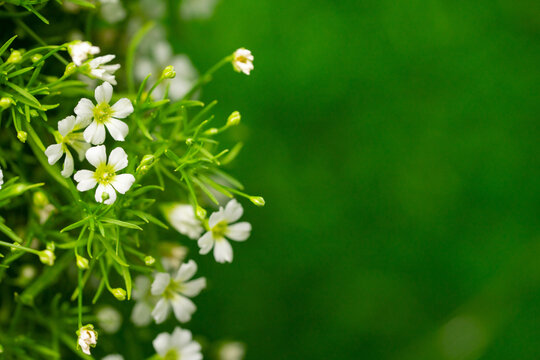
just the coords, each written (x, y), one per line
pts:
(51, 246)
(257, 200)
(40, 199)
(201, 212)
(104, 196)
(211, 131)
(36, 57)
(234, 119)
(145, 162)
(168, 72)
(70, 69)
(149, 260)
(14, 57)
(82, 262)
(189, 141)
(119, 294)
(47, 257)
(5, 102)
(22, 136)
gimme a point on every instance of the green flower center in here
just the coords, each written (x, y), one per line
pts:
(102, 113)
(172, 289)
(104, 174)
(219, 230)
(172, 355)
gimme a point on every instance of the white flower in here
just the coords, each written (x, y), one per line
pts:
(220, 227)
(105, 177)
(243, 61)
(177, 346)
(79, 51)
(113, 357)
(112, 11)
(175, 291)
(197, 9)
(109, 319)
(99, 70)
(182, 218)
(172, 255)
(67, 137)
(232, 351)
(141, 314)
(1, 178)
(87, 338)
(103, 116)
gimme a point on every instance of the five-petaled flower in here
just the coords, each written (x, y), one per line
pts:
(243, 61)
(178, 345)
(174, 292)
(98, 69)
(105, 177)
(219, 227)
(103, 116)
(80, 50)
(66, 137)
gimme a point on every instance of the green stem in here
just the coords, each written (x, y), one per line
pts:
(207, 77)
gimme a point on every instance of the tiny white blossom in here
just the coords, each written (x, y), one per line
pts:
(67, 137)
(112, 11)
(183, 219)
(177, 346)
(243, 61)
(113, 357)
(174, 292)
(232, 350)
(109, 319)
(99, 70)
(197, 9)
(102, 115)
(80, 50)
(87, 337)
(221, 226)
(141, 314)
(1, 178)
(105, 177)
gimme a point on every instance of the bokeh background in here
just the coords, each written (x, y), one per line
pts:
(396, 145)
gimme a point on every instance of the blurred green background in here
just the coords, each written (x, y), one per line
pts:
(396, 145)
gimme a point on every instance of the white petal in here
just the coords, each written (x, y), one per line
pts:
(122, 183)
(95, 133)
(239, 231)
(84, 111)
(101, 60)
(66, 126)
(183, 308)
(194, 287)
(223, 251)
(80, 146)
(141, 287)
(206, 242)
(160, 283)
(68, 165)
(122, 108)
(54, 153)
(97, 155)
(180, 338)
(118, 159)
(162, 344)
(216, 217)
(85, 179)
(186, 271)
(233, 211)
(103, 93)
(161, 311)
(105, 189)
(118, 129)
(141, 314)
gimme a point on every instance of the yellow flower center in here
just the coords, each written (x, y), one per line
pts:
(219, 230)
(241, 59)
(172, 289)
(102, 113)
(104, 174)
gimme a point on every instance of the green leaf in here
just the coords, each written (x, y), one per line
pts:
(76, 224)
(25, 94)
(149, 218)
(111, 252)
(6, 45)
(120, 223)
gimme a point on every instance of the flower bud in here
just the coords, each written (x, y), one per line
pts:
(145, 162)
(119, 294)
(149, 260)
(36, 57)
(211, 131)
(201, 212)
(14, 57)
(82, 262)
(47, 257)
(234, 119)
(22, 136)
(71, 68)
(5, 102)
(257, 200)
(40, 199)
(189, 141)
(87, 337)
(51, 246)
(168, 72)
